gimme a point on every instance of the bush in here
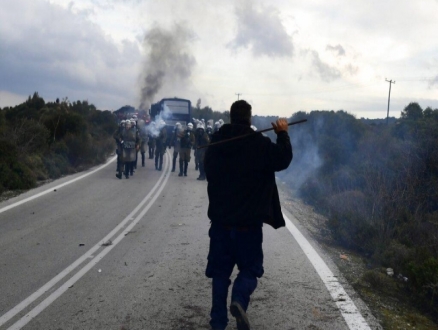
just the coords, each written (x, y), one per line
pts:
(36, 163)
(349, 220)
(379, 280)
(56, 165)
(13, 173)
(396, 256)
(422, 273)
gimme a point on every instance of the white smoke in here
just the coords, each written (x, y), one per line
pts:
(155, 127)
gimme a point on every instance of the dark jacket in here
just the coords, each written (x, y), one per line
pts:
(241, 177)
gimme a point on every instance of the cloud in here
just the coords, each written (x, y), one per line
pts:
(62, 54)
(325, 71)
(338, 50)
(433, 82)
(261, 30)
(351, 69)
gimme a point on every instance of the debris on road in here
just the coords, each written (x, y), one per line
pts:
(107, 243)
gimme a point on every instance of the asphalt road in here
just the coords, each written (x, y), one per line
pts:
(103, 253)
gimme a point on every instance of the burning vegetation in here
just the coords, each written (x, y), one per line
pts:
(377, 185)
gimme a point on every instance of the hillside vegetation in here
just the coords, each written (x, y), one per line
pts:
(40, 141)
(378, 187)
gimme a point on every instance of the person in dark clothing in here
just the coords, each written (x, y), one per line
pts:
(242, 196)
(187, 143)
(161, 145)
(201, 139)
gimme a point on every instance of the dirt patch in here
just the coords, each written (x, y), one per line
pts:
(384, 295)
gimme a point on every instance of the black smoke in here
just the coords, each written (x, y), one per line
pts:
(168, 59)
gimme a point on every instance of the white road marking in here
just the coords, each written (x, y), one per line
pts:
(57, 187)
(348, 309)
(88, 255)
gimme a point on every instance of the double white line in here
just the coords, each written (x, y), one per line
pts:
(123, 229)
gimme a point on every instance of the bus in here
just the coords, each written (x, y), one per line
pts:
(172, 110)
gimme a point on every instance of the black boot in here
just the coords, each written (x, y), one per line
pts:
(142, 159)
(127, 170)
(186, 164)
(201, 172)
(174, 163)
(160, 162)
(181, 168)
(119, 170)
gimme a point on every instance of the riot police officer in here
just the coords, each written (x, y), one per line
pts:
(160, 147)
(187, 143)
(116, 136)
(176, 143)
(201, 139)
(151, 140)
(142, 132)
(129, 145)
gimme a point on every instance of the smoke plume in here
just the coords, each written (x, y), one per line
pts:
(261, 30)
(168, 58)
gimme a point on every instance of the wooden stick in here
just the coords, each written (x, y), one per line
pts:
(246, 135)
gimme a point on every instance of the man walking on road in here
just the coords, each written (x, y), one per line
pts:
(242, 196)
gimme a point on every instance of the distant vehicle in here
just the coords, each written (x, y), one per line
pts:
(172, 110)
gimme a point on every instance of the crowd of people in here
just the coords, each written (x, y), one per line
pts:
(134, 135)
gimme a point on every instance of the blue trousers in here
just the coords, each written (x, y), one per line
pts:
(230, 247)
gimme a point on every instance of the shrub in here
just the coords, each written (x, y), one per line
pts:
(56, 165)
(349, 220)
(13, 173)
(395, 256)
(423, 273)
(379, 280)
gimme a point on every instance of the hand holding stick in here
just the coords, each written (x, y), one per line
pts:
(280, 125)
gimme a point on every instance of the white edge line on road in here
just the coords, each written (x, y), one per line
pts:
(57, 187)
(89, 254)
(348, 309)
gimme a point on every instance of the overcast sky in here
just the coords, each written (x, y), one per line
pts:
(282, 56)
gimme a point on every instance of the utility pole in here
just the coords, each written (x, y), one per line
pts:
(389, 97)
(238, 94)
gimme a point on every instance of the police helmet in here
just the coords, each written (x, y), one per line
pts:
(190, 125)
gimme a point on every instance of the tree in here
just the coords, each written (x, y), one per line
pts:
(413, 111)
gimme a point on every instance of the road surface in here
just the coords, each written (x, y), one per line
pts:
(89, 251)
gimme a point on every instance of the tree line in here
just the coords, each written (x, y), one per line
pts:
(43, 140)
